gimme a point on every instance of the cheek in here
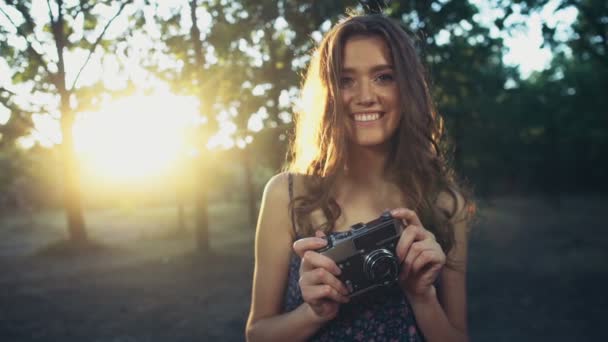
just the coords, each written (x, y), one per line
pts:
(346, 97)
(395, 105)
(390, 98)
(394, 98)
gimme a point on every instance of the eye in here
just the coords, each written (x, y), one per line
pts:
(385, 78)
(346, 82)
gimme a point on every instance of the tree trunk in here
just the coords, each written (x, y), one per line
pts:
(249, 187)
(202, 211)
(72, 197)
(554, 175)
(202, 215)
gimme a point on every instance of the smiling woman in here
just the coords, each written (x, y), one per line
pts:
(135, 138)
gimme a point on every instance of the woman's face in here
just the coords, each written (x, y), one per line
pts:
(369, 91)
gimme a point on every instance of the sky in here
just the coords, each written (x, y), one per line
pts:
(525, 43)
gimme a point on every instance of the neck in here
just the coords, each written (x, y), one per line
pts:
(365, 166)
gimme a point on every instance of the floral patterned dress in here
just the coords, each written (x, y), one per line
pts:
(379, 315)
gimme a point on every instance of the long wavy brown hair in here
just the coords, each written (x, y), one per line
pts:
(416, 162)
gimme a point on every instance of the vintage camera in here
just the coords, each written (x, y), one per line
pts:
(366, 253)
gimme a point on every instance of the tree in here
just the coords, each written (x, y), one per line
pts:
(181, 38)
(37, 58)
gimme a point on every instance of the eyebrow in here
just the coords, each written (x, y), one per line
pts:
(375, 68)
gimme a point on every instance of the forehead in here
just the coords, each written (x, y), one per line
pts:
(361, 52)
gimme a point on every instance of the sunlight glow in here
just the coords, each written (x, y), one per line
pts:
(5, 114)
(47, 130)
(136, 137)
(223, 139)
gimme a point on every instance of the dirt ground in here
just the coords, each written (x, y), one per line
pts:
(536, 273)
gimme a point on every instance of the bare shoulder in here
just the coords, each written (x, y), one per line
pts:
(274, 209)
(277, 198)
(279, 183)
(277, 188)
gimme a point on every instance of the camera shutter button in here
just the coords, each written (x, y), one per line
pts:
(349, 286)
(386, 215)
(358, 226)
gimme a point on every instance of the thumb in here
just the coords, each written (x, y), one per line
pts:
(319, 233)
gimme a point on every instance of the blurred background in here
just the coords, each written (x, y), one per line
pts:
(136, 138)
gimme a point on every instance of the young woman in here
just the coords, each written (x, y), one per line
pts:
(366, 140)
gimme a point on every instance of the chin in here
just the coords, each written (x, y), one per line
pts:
(369, 141)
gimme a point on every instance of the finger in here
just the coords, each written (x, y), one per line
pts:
(321, 276)
(323, 306)
(408, 236)
(314, 294)
(311, 243)
(319, 233)
(427, 260)
(404, 244)
(427, 251)
(408, 215)
(312, 260)
(327, 306)
(416, 249)
(413, 252)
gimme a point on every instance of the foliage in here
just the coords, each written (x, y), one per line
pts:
(545, 133)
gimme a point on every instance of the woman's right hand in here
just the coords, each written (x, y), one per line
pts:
(320, 287)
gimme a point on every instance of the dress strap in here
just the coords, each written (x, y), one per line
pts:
(293, 221)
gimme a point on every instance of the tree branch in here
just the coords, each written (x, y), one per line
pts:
(84, 7)
(32, 108)
(30, 48)
(48, 4)
(98, 40)
(28, 19)
(4, 90)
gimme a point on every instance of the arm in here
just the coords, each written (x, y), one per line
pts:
(273, 248)
(440, 315)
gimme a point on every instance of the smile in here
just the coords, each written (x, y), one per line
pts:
(365, 117)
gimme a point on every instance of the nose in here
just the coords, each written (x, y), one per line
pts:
(365, 94)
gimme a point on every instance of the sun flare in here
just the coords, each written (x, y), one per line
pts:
(137, 137)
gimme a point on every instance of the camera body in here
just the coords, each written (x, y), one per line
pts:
(366, 253)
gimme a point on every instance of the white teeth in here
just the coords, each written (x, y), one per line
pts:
(367, 117)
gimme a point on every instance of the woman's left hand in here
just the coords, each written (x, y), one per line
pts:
(420, 256)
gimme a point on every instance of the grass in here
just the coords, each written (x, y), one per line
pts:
(536, 273)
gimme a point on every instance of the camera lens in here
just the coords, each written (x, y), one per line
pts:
(381, 266)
